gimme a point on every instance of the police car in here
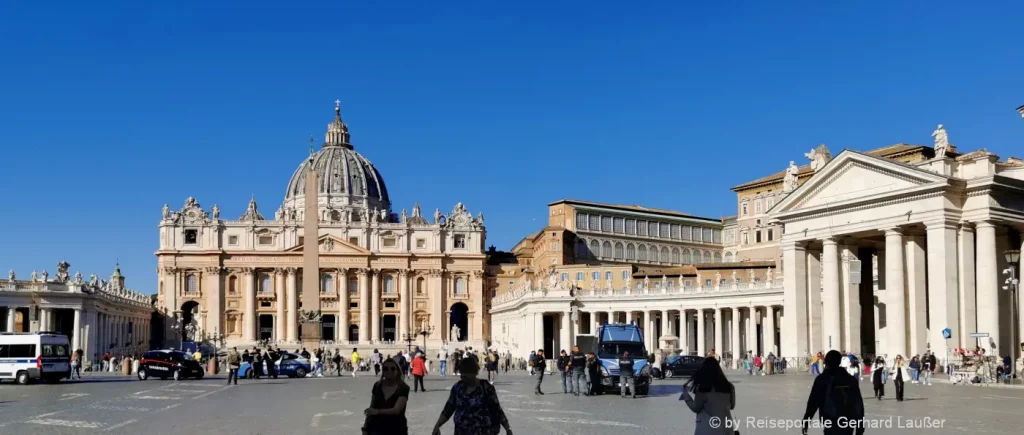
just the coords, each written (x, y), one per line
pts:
(26, 356)
(165, 364)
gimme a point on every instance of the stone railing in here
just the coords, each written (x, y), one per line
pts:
(521, 292)
(115, 295)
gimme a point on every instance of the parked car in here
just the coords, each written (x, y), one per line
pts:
(165, 364)
(681, 365)
(289, 364)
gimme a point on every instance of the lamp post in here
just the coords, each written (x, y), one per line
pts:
(425, 332)
(1012, 283)
(408, 338)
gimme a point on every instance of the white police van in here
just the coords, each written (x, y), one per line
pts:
(25, 356)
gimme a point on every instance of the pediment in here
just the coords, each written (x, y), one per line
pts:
(852, 176)
(332, 245)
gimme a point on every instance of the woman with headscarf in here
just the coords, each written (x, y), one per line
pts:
(878, 377)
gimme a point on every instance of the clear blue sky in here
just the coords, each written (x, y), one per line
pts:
(111, 109)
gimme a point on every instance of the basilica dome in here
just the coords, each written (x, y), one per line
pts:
(346, 179)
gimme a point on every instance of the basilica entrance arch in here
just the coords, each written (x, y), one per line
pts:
(189, 316)
(459, 318)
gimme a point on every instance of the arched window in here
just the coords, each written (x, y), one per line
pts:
(389, 284)
(718, 257)
(327, 284)
(595, 249)
(421, 286)
(619, 254)
(664, 255)
(606, 250)
(654, 255)
(460, 286)
(686, 256)
(233, 285)
(630, 252)
(675, 255)
(728, 257)
(191, 283)
(266, 284)
(707, 257)
(641, 254)
(353, 286)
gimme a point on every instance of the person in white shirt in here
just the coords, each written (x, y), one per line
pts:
(442, 360)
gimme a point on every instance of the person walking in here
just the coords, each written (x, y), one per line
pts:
(257, 365)
(592, 374)
(835, 395)
(375, 360)
(929, 368)
(419, 370)
(337, 361)
(578, 366)
(492, 365)
(878, 377)
(355, 362)
(442, 361)
(530, 360)
(474, 404)
(234, 361)
(386, 414)
(626, 374)
(563, 370)
(915, 369)
(538, 366)
(76, 364)
(899, 376)
(712, 397)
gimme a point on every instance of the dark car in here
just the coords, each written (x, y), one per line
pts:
(165, 364)
(681, 365)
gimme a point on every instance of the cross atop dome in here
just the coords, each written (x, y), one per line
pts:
(337, 131)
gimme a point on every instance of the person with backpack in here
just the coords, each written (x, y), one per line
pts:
(714, 398)
(835, 397)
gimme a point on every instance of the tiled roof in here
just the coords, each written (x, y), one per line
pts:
(886, 151)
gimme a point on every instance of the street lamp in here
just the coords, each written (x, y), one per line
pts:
(408, 338)
(1012, 259)
(425, 332)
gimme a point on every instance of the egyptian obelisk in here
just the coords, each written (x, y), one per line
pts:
(310, 296)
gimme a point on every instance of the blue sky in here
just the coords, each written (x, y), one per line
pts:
(111, 109)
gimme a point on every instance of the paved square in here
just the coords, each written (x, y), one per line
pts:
(118, 405)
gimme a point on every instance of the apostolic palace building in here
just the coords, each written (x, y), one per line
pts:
(383, 275)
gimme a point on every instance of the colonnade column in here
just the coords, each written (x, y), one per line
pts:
(609, 316)
(664, 325)
(701, 351)
(249, 315)
(345, 304)
(718, 318)
(403, 304)
(943, 280)
(734, 337)
(565, 339)
(752, 330)
(684, 330)
(364, 307)
(830, 296)
(281, 300)
(292, 294)
(769, 330)
(916, 281)
(375, 307)
(12, 313)
(795, 335)
(895, 294)
(76, 333)
(538, 332)
(648, 327)
(988, 285)
(966, 268)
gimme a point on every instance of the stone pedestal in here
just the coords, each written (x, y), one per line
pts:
(310, 335)
(211, 366)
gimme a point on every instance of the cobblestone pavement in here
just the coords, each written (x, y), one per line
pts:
(119, 405)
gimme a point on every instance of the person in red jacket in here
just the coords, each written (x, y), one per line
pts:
(419, 370)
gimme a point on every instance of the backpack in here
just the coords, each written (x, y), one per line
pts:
(841, 401)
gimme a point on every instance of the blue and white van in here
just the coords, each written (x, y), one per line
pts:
(26, 356)
(611, 341)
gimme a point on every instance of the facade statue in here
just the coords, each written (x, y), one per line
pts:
(167, 212)
(751, 276)
(790, 181)
(454, 333)
(819, 157)
(216, 212)
(34, 277)
(437, 215)
(942, 146)
(552, 280)
(190, 331)
(364, 215)
(63, 272)
(45, 275)
(647, 282)
(593, 284)
(78, 277)
(480, 218)
(629, 280)
(718, 279)
(93, 280)
(735, 279)
(768, 275)
(383, 215)
(405, 216)
(10, 276)
(191, 202)
(608, 283)
(700, 280)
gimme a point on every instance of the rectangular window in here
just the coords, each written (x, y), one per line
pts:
(353, 286)
(581, 221)
(460, 241)
(771, 235)
(664, 231)
(746, 239)
(641, 227)
(565, 277)
(716, 236)
(618, 224)
(390, 242)
(608, 275)
(554, 246)
(652, 229)
(625, 275)
(707, 235)
(757, 206)
(707, 283)
(191, 236)
(266, 240)
(579, 276)
(697, 234)
(354, 240)
(595, 224)
(671, 284)
(685, 232)
(595, 276)
(265, 304)
(18, 351)
(631, 226)
(606, 224)
(744, 209)
(687, 283)
(421, 243)
(675, 232)
(233, 240)
(353, 304)
(757, 236)
(771, 203)
(389, 305)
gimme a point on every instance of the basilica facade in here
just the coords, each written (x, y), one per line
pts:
(384, 276)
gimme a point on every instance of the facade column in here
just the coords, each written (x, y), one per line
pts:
(375, 307)
(795, 294)
(476, 325)
(896, 306)
(292, 294)
(281, 301)
(610, 315)
(850, 300)
(719, 319)
(734, 337)
(701, 334)
(684, 330)
(214, 294)
(988, 284)
(649, 338)
(967, 296)
(830, 296)
(565, 339)
(917, 300)
(769, 330)
(630, 316)
(249, 315)
(813, 285)
(403, 304)
(12, 313)
(76, 333)
(538, 332)
(343, 311)
(752, 330)
(594, 317)
(364, 306)
(664, 326)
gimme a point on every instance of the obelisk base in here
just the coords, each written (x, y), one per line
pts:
(310, 336)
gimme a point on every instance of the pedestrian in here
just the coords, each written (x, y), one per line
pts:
(304, 353)
(835, 397)
(271, 357)
(419, 370)
(899, 376)
(915, 368)
(538, 366)
(878, 377)
(563, 370)
(492, 365)
(257, 367)
(593, 375)
(578, 366)
(712, 397)
(76, 364)
(442, 360)
(474, 404)
(375, 360)
(386, 414)
(337, 361)
(234, 361)
(532, 358)
(626, 374)
(929, 368)
(355, 362)
(757, 364)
